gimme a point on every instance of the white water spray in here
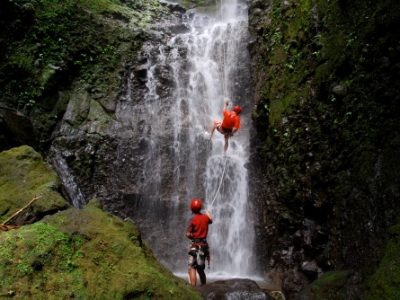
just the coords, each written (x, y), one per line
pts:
(214, 46)
(189, 75)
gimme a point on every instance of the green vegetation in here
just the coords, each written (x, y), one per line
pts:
(328, 286)
(83, 254)
(327, 115)
(288, 55)
(384, 283)
(80, 254)
(197, 3)
(23, 176)
(327, 95)
(46, 45)
(39, 259)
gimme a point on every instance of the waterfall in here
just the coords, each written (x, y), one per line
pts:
(188, 76)
(70, 187)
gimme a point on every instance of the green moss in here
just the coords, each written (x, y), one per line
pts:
(50, 44)
(85, 253)
(39, 258)
(279, 108)
(23, 176)
(98, 117)
(384, 283)
(278, 57)
(327, 115)
(304, 51)
(329, 286)
(197, 3)
(289, 56)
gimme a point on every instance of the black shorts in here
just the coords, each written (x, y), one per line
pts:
(198, 256)
(227, 132)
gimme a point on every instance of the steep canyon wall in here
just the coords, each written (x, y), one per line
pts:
(327, 104)
(324, 165)
(144, 151)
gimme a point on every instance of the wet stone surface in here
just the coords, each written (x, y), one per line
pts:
(233, 289)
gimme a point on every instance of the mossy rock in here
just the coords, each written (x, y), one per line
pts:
(329, 286)
(327, 123)
(48, 47)
(83, 254)
(23, 176)
(384, 283)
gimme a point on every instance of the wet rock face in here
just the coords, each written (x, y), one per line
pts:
(120, 151)
(140, 151)
(331, 285)
(322, 152)
(15, 129)
(233, 289)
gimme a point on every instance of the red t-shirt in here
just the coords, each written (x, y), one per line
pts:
(231, 120)
(198, 227)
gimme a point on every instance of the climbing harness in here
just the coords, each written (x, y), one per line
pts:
(220, 183)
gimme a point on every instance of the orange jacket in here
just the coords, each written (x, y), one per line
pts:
(231, 120)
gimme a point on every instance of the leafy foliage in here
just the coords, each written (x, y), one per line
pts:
(84, 254)
(327, 104)
(46, 45)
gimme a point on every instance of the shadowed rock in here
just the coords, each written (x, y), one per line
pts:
(233, 289)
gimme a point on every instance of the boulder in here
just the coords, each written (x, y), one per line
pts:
(339, 90)
(23, 176)
(330, 285)
(310, 269)
(84, 254)
(232, 289)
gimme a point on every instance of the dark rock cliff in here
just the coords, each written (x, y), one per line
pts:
(328, 138)
(50, 49)
(325, 154)
(71, 70)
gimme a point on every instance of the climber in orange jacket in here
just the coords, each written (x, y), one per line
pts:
(229, 125)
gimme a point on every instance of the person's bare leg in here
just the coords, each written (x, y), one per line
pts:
(226, 143)
(213, 129)
(192, 276)
(202, 275)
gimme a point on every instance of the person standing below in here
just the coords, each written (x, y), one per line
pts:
(199, 252)
(229, 125)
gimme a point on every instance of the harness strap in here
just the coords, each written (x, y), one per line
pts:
(199, 241)
(200, 244)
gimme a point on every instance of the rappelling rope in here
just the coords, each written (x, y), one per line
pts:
(220, 183)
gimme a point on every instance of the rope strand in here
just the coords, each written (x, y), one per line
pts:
(220, 183)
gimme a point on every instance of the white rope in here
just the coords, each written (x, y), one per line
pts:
(220, 183)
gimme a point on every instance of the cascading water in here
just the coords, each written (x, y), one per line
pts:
(154, 155)
(188, 78)
(71, 188)
(232, 234)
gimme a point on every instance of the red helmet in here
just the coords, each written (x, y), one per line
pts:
(237, 109)
(196, 205)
